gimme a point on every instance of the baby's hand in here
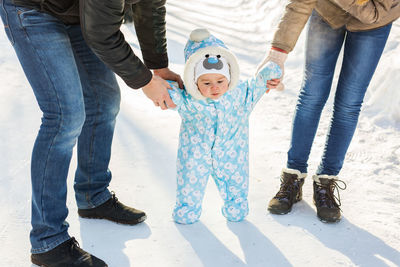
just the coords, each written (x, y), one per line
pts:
(174, 92)
(272, 76)
(277, 56)
(272, 84)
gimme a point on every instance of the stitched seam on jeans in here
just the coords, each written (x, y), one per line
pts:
(91, 151)
(83, 24)
(7, 25)
(61, 117)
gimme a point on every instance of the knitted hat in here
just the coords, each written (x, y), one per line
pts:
(204, 53)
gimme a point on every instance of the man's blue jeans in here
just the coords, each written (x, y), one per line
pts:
(79, 97)
(362, 51)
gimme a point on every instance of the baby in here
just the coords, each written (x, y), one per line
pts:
(214, 135)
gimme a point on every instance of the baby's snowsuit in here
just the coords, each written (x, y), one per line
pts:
(214, 141)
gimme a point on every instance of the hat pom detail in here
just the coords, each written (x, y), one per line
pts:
(199, 35)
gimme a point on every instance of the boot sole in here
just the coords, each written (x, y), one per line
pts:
(140, 220)
(329, 220)
(42, 265)
(283, 212)
(38, 264)
(279, 212)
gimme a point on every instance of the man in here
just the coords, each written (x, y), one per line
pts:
(69, 51)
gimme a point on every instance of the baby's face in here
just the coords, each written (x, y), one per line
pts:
(212, 85)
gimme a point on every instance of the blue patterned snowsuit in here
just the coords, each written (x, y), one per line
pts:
(214, 140)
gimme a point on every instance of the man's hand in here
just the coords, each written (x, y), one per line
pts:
(167, 74)
(157, 91)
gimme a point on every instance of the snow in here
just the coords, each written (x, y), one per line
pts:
(144, 152)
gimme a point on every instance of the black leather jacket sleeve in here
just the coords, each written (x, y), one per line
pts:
(149, 19)
(101, 21)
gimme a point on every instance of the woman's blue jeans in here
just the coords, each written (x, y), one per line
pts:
(362, 51)
(79, 97)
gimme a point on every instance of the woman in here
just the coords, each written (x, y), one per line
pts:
(363, 27)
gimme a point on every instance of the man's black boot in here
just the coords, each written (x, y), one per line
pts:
(328, 205)
(289, 193)
(115, 211)
(67, 254)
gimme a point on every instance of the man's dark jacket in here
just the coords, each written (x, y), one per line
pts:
(101, 20)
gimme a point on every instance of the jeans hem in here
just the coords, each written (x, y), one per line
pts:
(302, 170)
(50, 246)
(96, 201)
(102, 198)
(327, 173)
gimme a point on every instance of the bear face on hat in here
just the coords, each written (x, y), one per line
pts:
(212, 64)
(200, 44)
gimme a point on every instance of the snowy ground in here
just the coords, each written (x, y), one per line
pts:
(143, 165)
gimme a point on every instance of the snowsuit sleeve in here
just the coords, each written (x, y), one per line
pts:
(257, 86)
(176, 95)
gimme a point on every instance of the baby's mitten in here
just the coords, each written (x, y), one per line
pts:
(277, 57)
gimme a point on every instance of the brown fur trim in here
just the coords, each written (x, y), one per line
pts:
(293, 171)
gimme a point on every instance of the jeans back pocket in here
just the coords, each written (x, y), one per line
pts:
(32, 17)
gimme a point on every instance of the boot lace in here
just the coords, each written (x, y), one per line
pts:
(73, 246)
(286, 189)
(114, 199)
(329, 196)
